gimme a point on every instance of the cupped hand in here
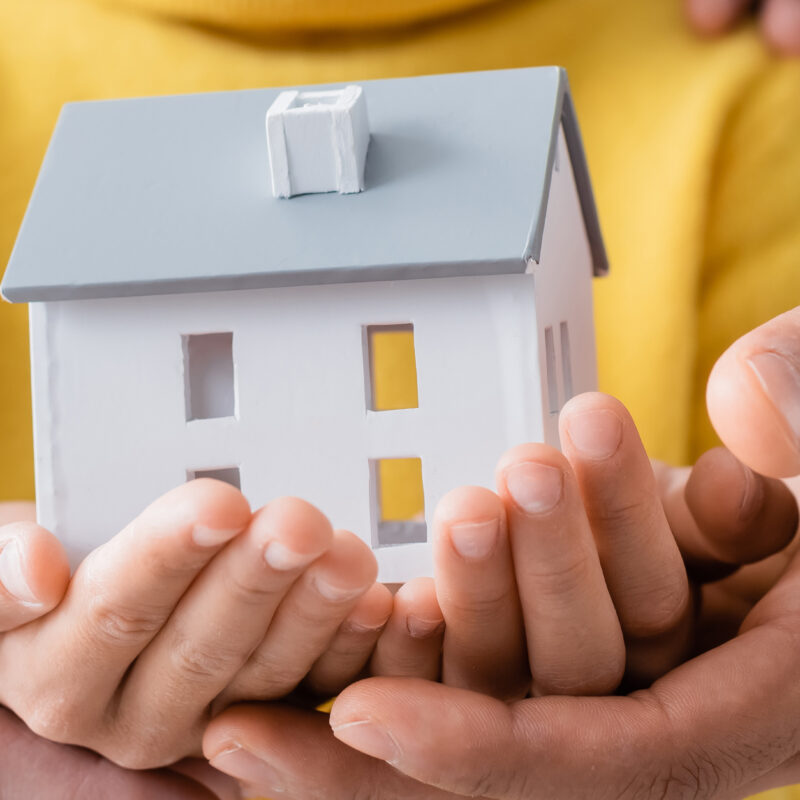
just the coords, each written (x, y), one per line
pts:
(196, 604)
(564, 560)
(34, 574)
(779, 19)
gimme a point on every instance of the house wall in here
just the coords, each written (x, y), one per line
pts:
(110, 413)
(563, 279)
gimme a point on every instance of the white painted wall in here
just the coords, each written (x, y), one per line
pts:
(563, 280)
(109, 407)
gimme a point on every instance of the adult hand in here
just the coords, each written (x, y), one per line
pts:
(33, 767)
(722, 725)
(779, 19)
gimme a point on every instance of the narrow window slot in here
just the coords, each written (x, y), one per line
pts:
(550, 370)
(398, 502)
(390, 367)
(209, 376)
(229, 475)
(566, 362)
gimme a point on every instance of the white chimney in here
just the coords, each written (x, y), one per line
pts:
(318, 141)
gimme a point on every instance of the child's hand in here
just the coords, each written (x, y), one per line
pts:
(779, 19)
(194, 605)
(33, 567)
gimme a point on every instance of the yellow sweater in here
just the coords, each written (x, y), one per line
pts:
(693, 146)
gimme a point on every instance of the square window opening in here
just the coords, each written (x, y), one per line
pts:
(390, 367)
(550, 370)
(209, 380)
(397, 502)
(229, 475)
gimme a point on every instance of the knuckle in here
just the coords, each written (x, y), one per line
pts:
(615, 514)
(116, 624)
(135, 754)
(271, 678)
(171, 562)
(656, 609)
(55, 717)
(201, 662)
(246, 591)
(478, 609)
(563, 579)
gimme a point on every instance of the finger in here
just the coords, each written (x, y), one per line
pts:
(780, 22)
(267, 748)
(484, 641)
(744, 517)
(306, 621)
(722, 514)
(574, 640)
(34, 573)
(351, 648)
(715, 16)
(753, 397)
(219, 622)
(411, 642)
(77, 655)
(474, 745)
(641, 562)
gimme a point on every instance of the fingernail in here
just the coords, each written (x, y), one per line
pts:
(209, 537)
(353, 626)
(423, 628)
(595, 434)
(475, 541)
(244, 766)
(283, 559)
(12, 574)
(369, 738)
(337, 594)
(535, 488)
(780, 379)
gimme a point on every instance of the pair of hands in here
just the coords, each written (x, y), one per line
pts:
(721, 725)
(553, 577)
(198, 604)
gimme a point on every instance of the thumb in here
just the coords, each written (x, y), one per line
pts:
(474, 745)
(753, 397)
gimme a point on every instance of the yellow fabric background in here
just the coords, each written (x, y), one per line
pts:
(693, 148)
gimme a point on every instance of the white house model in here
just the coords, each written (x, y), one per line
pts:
(197, 309)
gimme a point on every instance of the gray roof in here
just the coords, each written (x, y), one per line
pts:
(172, 194)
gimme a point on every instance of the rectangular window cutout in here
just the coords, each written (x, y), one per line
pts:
(398, 502)
(229, 475)
(208, 376)
(566, 361)
(390, 367)
(550, 370)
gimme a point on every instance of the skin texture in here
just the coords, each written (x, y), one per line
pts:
(719, 725)
(197, 603)
(779, 20)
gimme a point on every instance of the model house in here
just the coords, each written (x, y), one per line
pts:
(210, 295)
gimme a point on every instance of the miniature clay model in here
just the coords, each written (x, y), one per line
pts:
(190, 317)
